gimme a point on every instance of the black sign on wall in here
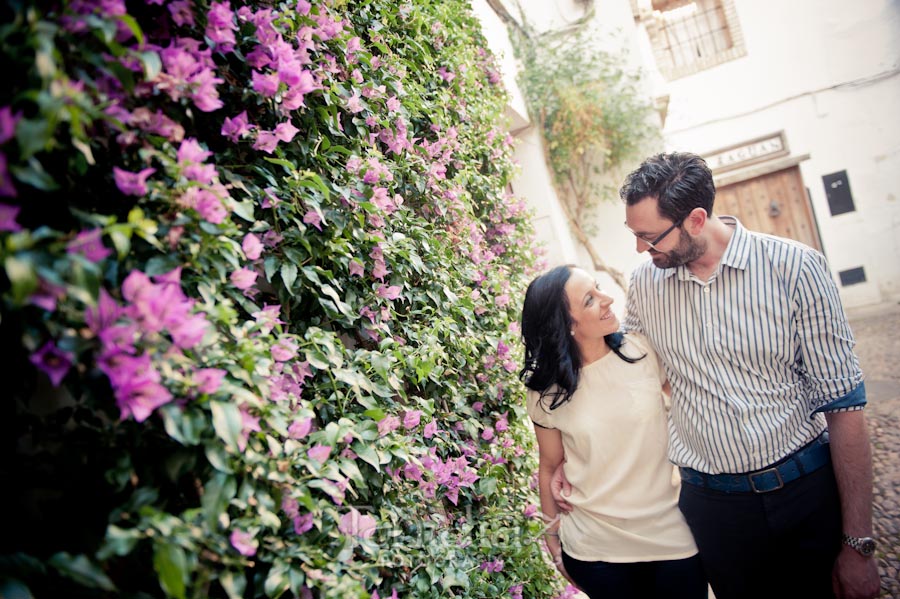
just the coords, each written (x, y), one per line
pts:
(837, 189)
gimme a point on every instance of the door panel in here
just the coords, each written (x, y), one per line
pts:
(775, 203)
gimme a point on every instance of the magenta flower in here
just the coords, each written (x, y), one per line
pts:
(319, 453)
(89, 245)
(265, 84)
(237, 127)
(430, 429)
(252, 246)
(284, 350)
(243, 278)
(181, 12)
(53, 361)
(411, 418)
(388, 292)
(285, 131)
(313, 218)
(266, 141)
(131, 183)
(208, 380)
(244, 542)
(8, 216)
(300, 428)
(354, 524)
(8, 122)
(140, 395)
(354, 103)
(356, 268)
(388, 424)
(220, 26)
(303, 523)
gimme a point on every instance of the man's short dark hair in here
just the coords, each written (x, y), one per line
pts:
(679, 181)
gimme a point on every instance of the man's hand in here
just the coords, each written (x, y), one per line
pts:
(855, 576)
(560, 488)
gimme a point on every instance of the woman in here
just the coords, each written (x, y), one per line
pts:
(596, 400)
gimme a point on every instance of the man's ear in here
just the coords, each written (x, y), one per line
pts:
(695, 221)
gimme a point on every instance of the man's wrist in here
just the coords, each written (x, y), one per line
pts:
(865, 546)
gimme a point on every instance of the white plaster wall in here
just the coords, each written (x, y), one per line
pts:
(827, 73)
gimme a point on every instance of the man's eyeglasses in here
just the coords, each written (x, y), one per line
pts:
(653, 243)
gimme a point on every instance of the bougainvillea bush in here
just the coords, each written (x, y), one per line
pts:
(259, 300)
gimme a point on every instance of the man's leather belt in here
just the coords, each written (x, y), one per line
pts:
(807, 459)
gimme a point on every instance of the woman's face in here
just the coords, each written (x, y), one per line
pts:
(592, 318)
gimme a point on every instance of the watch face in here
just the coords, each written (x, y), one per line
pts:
(867, 547)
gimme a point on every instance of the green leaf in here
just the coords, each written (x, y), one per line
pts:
(227, 422)
(217, 493)
(170, 564)
(80, 569)
(33, 136)
(22, 277)
(277, 582)
(152, 65)
(289, 276)
(118, 541)
(34, 175)
(234, 584)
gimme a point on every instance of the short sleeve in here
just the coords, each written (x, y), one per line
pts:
(537, 411)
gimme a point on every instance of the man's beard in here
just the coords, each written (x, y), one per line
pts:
(687, 250)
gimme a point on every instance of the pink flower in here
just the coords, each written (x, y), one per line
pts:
(388, 292)
(284, 350)
(208, 380)
(243, 278)
(388, 424)
(313, 218)
(236, 128)
(411, 418)
(319, 453)
(89, 245)
(430, 429)
(53, 361)
(8, 216)
(132, 183)
(285, 131)
(356, 268)
(303, 523)
(266, 141)
(265, 84)
(252, 246)
(244, 542)
(487, 434)
(300, 428)
(356, 525)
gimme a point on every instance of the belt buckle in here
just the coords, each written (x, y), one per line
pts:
(766, 471)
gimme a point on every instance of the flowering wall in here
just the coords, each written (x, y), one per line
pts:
(259, 299)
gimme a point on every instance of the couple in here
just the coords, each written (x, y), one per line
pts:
(746, 334)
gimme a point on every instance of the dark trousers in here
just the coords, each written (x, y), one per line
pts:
(672, 579)
(780, 544)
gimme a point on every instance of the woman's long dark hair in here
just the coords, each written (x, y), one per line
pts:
(552, 360)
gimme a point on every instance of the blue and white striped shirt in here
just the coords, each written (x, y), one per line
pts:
(754, 355)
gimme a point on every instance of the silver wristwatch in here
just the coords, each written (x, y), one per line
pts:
(864, 545)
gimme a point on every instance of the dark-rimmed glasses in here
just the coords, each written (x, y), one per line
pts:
(661, 236)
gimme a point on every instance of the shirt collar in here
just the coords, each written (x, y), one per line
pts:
(736, 252)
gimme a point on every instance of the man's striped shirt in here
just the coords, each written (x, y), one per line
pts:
(754, 355)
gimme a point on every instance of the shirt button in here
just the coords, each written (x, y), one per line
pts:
(706, 290)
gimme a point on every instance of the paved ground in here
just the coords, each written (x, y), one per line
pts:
(877, 332)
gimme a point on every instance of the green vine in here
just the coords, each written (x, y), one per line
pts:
(590, 110)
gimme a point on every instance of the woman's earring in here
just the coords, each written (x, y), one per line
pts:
(572, 332)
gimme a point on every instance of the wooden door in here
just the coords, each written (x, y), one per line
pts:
(775, 203)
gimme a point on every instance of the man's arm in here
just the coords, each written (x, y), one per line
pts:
(855, 576)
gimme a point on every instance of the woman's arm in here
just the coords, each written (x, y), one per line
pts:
(550, 455)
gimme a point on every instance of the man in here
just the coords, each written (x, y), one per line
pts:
(760, 359)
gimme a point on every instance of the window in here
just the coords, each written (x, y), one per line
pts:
(690, 36)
